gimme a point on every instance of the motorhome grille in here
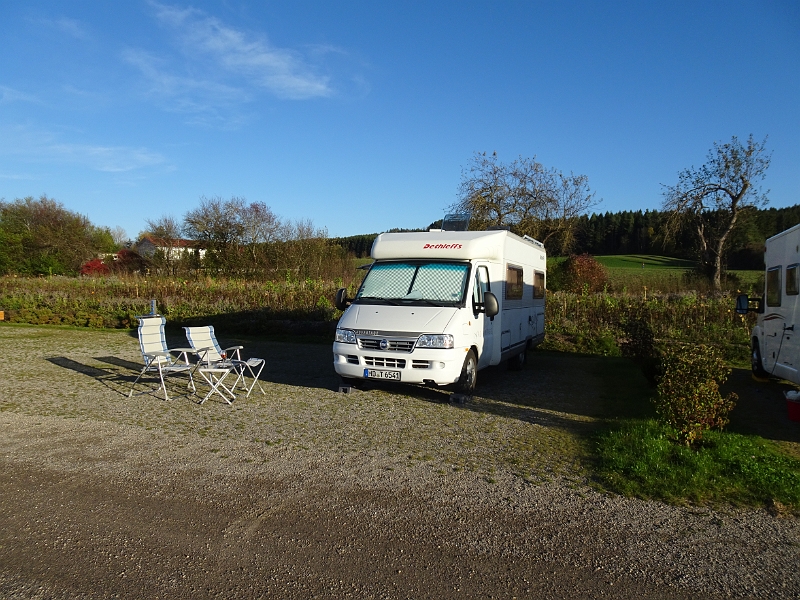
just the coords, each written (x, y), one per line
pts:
(394, 345)
(380, 361)
(352, 359)
(420, 364)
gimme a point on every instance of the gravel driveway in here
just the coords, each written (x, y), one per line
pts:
(308, 493)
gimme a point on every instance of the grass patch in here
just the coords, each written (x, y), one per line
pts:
(635, 261)
(635, 455)
(640, 458)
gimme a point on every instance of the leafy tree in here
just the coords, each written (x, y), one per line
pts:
(711, 198)
(525, 196)
(41, 237)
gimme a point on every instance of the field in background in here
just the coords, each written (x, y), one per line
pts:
(633, 273)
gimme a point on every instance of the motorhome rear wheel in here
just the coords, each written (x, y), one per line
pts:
(515, 363)
(756, 363)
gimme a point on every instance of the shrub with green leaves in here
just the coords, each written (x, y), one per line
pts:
(688, 396)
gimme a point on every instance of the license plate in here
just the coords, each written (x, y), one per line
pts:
(375, 374)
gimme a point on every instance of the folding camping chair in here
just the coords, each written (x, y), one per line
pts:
(213, 361)
(158, 358)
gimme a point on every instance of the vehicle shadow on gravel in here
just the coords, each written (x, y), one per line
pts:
(762, 409)
(552, 390)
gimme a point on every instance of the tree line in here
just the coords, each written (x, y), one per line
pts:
(226, 237)
(642, 232)
(713, 214)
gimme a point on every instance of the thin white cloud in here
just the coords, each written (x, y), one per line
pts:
(38, 146)
(230, 52)
(70, 27)
(8, 95)
(16, 176)
(109, 159)
(183, 88)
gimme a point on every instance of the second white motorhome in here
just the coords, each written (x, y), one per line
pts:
(437, 306)
(775, 345)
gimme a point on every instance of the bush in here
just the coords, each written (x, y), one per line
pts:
(581, 273)
(639, 343)
(94, 267)
(688, 391)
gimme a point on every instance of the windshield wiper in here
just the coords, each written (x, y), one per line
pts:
(424, 300)
(379, 299)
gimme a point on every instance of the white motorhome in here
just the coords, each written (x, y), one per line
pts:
(775, 343)
(437, 306)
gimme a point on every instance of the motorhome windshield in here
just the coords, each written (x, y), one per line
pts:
(436, 283)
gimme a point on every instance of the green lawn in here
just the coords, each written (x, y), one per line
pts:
(635, 272)
(643, 261)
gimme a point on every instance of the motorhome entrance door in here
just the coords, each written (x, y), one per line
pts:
(485, 326)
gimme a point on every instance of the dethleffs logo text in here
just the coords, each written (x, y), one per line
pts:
(442, 247)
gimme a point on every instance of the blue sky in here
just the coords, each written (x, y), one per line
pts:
(361, 115)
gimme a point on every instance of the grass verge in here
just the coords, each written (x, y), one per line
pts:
(640, 458)
(635, 455)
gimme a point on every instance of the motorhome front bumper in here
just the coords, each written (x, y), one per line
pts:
(424, 366)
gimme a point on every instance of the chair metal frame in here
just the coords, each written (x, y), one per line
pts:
(158, 357)
(212, 360)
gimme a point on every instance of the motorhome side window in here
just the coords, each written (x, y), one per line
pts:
(792, 282)
(538, 285)
(513, 283)
(774, 286)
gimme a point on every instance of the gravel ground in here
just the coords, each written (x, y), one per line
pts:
(305, 492)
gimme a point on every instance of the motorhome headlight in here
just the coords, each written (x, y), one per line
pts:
(435, 340)
(346, 336)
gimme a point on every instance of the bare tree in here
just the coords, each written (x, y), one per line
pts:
(525, 196)
(259, 224)
(486, 192)
(571, 197)
(216, 223)
(710, 199)
(165, 232)
(120, 237)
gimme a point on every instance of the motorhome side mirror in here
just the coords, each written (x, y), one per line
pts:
(742, 304)
(490, 305)
(341, 301)
(745, 304)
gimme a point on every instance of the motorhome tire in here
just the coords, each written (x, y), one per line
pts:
(353, 382)
(515, 363)
(756, 363)
(469, 375)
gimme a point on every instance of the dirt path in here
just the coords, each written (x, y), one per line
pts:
(305, 493)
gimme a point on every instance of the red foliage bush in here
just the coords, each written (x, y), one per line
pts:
(94, 267)
(582, 271)
(128, 261)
